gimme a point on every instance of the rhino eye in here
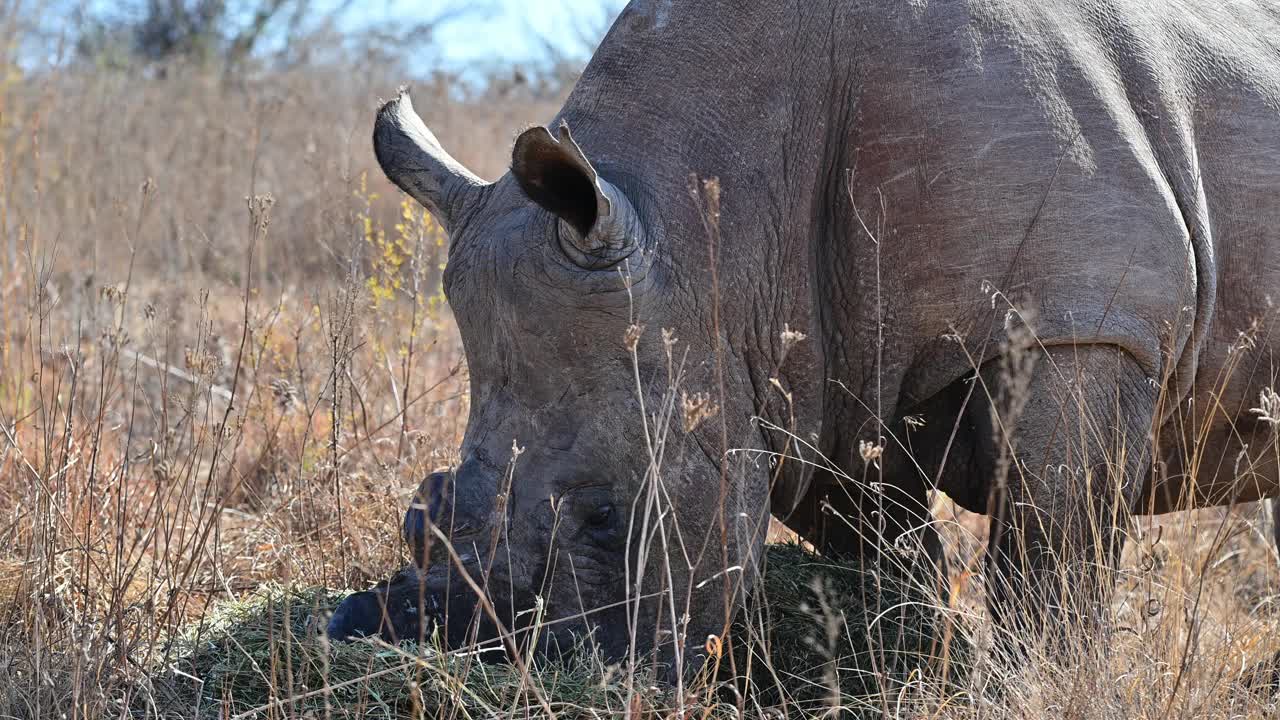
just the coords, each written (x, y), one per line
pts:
(601, 517)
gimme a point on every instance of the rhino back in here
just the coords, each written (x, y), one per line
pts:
(1108, 166)
(1112, 168)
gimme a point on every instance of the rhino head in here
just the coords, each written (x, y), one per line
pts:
(556, 514)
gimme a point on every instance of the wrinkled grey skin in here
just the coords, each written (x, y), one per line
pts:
(893, 175)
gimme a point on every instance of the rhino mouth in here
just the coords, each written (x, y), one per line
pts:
(416, 606)
(433, 606)
(402, 608)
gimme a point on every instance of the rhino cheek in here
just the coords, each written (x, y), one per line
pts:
(592, 607)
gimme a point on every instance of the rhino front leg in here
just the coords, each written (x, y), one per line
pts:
(1069, 444)
(865, 516)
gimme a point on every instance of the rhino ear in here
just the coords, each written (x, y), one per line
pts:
(598, 225)
(413, 159)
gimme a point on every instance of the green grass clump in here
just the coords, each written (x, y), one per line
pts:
(803, 642)
(822, 633)
(246, 657)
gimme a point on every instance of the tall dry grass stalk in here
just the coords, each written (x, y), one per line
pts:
(199, 395)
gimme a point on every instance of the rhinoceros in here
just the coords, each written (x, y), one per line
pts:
(815, 260)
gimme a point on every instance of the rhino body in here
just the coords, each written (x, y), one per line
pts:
(1017, 251)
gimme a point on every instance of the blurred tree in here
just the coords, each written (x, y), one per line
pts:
(177, 27)
(232, 32)
(564, 61)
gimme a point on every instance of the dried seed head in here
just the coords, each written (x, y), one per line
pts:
(1247, 339)
(1268, 410)
(714, 646)
(632, 338)
(285, 393)
(203, 363)
(696, 409)
(260, 211)
(112, 294)
(871, 452)
(790, 337)
(669, 338)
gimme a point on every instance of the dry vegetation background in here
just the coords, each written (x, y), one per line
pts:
(225, 361)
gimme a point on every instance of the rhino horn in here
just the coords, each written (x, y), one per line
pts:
(413, 159)
(598, 225)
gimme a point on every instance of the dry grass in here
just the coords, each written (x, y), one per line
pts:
(202, 395)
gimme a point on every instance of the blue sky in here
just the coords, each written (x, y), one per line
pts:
(512, 30)
(497, 31)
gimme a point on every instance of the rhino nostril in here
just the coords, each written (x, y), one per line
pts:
(458, 518)
(430, 495)
(415, 526)
(415, 535)
(427, 504)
